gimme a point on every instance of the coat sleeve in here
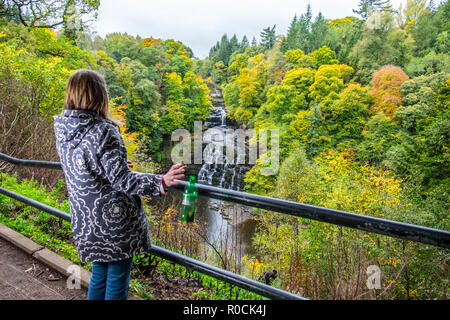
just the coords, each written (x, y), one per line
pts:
(112, 157)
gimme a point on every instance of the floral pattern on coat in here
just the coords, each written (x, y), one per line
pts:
(108, 221)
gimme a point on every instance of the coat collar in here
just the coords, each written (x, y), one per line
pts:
(76, 113)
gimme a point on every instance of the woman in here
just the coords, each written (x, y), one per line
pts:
(108, 222)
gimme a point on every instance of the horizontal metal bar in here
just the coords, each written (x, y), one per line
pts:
(31, 163)
(401, 230)
(221, 274)
(406, 231)
(36, 204)
(227, 276)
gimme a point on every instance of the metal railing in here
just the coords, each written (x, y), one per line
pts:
(406, 231)
(193, 264)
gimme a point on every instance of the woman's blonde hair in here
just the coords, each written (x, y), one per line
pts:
(86, 90)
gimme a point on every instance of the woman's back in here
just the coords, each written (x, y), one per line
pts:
(107, 218)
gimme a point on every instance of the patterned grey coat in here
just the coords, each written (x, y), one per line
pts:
(108, 221)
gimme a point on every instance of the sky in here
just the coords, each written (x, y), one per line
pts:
(199, 24)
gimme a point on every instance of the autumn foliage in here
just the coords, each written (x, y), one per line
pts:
(386, 84)
(147, 42)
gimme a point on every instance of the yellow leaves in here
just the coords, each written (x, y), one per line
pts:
(147, 42)
(242, 115)
(169, 221)
(253, 265)
(119, 113)
(103, 59)
(138, 102)
(359, 188)
(174, 78)
(407, 293)
(248, 87)
(294, 56)
(129, 138)
(337, 22)
(329, 79)
(257, 62)
(301, 78)
(301, 124)
(52, 34)
(393, 261)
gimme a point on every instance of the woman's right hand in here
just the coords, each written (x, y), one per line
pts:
(175, 172)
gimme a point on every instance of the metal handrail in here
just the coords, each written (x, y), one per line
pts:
(417, 233)
(221, 274)
(395, 229)
(218, 273)
(391, 228)
(31, 163)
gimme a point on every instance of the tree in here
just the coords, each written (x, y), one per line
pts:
(234, 44)
(299, 34)
(385, 87)
(346, 117)
(50, 14)
(329, 81)
(301, 79)
(197, 103)
(120, 45)
(319, 30)
(224, 50)
(342, 35)
(244, 44)
(290, 41)
(380, 44)
(268, 37)
(366, 7)
(379, 136)
(413, 10)
(429, 64)
(284, 101)
(237, 63)
(425, 119)
(430, 28)
(298, 59)
(323, 56)
(316, 134)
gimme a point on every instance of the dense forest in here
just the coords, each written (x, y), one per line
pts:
(362, 105)
(361, 102)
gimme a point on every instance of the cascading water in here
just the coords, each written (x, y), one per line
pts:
(230, 226)
(218, 169)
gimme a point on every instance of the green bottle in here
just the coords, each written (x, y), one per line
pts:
(189, 201)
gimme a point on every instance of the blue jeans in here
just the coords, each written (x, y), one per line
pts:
(110, 280)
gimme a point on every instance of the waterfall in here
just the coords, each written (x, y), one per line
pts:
(217, 168)
(230, 226)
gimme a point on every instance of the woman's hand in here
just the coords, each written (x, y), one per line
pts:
(175, 172)
(130, 164)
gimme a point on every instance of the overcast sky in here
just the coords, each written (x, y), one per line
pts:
(199, 24)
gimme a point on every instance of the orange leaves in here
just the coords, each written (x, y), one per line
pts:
(386, 84)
